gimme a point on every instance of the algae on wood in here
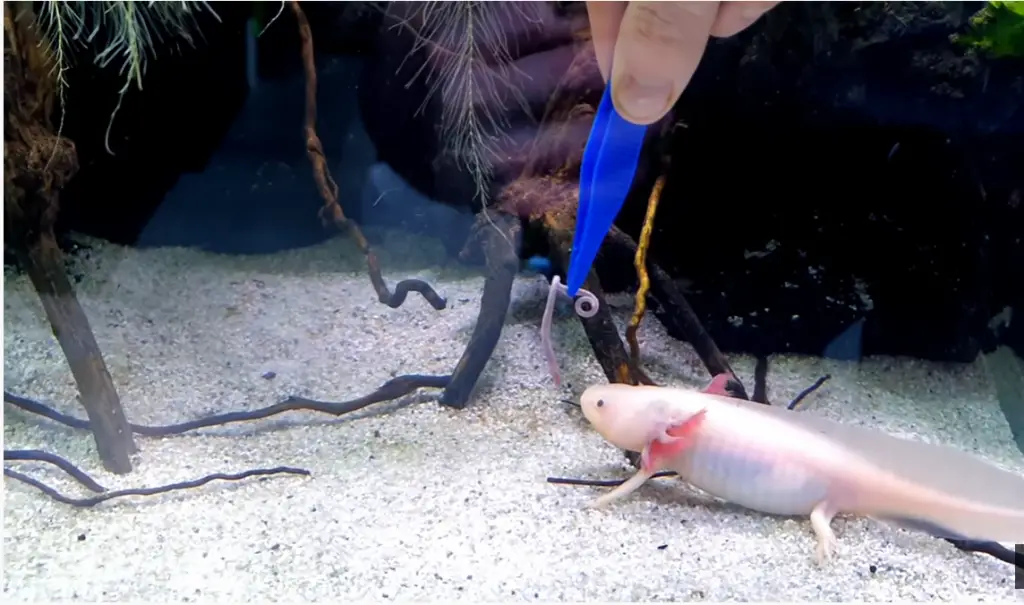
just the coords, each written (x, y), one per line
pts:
(37, 163)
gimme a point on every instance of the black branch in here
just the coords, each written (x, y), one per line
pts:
(40, 456)
(392, 389)
(499, 235)
(105, 495)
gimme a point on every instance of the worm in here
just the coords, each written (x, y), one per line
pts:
(585, 305)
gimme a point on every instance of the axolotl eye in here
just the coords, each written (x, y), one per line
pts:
(600, 402)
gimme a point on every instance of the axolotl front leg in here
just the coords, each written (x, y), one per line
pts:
(669, 441)
(624, 489)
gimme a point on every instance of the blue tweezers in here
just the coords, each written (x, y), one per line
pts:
(611, 155)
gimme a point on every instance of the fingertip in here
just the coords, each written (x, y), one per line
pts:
(658, 49)
(605, 18)
(734, 17)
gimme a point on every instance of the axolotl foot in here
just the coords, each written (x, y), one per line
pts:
(620, 492)
(821, 522)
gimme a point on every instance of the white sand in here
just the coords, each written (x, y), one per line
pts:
(421, 502)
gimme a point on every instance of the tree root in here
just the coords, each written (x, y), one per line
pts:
(392, 389)
(84, 479)
(329, 189)
(499, 235)
(761, 380)
(37, 164)
(640, 263)
(676, 314)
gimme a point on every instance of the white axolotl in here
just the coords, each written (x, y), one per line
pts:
(779, 461)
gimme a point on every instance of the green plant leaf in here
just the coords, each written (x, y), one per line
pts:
(996, 30)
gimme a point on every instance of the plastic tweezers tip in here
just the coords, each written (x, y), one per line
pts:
(611, 155)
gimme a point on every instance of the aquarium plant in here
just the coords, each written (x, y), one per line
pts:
(997, 30)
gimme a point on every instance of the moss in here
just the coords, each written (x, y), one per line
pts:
(468, 67)
(996, 30)
(126, 34)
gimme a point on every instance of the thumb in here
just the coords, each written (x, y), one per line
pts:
(604, 29)
(657, 51)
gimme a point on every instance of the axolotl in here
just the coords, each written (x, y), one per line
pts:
(784, 462)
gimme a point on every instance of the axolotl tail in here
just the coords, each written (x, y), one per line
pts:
(945, 515)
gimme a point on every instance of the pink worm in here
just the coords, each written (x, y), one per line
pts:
(586, 305)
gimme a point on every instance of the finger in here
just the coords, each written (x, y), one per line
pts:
(604, 29)
(656, 53)
(734, 17)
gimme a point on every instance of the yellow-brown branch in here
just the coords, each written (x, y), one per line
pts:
(640, 262)
(329, 189)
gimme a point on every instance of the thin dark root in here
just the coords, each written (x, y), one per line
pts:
(146, 491)
(804, 393)
(391, 390)
(603, 482)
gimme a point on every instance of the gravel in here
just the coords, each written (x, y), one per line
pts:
(411, 500)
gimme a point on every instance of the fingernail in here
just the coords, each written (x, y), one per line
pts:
(642, 101)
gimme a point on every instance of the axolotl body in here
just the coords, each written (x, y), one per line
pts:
(778, 461)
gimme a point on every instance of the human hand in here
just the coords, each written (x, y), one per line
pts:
(657, 46)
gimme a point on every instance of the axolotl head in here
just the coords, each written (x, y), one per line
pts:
(629, 416)
(625, 415)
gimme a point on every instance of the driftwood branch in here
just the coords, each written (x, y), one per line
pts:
(329, 189)
(604, 339)
(676, 313)
(64, 465)
(37, 163)
(103, 495)
(604, 482)
(600, 328)
(761, 380)
(70, 325)
(640, 263)
(499, 235)
(804, 393)
(392, 389)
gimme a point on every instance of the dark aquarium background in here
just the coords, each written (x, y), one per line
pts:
(845, 179)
